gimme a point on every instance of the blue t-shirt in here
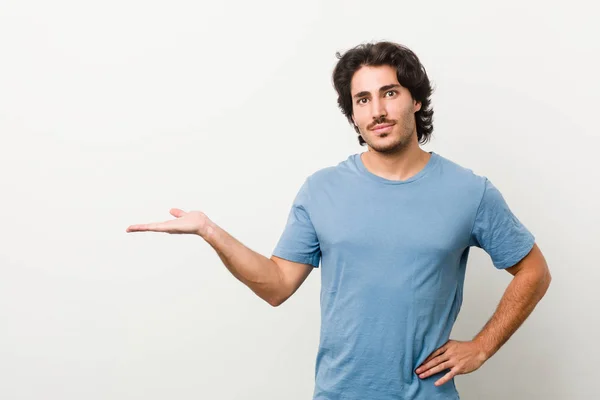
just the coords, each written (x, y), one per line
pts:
(393, 257)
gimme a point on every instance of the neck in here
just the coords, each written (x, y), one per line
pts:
(400, 165)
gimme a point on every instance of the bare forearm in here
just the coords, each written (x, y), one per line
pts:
(519, 300)
(259, 273)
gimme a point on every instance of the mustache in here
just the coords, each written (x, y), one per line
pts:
(381, 121)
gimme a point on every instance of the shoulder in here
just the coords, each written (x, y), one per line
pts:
(326, 176)
(461, 177)
(458, 170)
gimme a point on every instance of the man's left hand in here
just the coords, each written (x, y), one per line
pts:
(458, 357)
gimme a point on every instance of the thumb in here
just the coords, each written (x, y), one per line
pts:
(176, 212)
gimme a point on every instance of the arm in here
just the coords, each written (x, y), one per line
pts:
(274, 280)
(530, 283)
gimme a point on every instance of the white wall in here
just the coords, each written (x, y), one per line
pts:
(112, 113)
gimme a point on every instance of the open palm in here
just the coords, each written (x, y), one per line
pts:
(193, 222)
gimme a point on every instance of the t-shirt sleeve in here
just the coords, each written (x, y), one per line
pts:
(498, 231)
(299, 242)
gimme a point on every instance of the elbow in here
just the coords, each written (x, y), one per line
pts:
(548, 278)
(276, 300)
(544, 281)
(274, 303)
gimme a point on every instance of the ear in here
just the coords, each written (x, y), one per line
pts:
(417, 106)
(354, 121)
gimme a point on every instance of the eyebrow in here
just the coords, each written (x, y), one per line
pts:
(382, 89)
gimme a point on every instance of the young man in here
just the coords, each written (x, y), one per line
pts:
(391, 228)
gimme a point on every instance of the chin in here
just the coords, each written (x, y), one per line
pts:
(385, 146)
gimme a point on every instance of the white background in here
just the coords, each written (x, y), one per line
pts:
(113, 112)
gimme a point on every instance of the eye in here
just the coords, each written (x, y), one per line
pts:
(391, 91)
(359, 100)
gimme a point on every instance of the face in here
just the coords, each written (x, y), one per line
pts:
(378, 99)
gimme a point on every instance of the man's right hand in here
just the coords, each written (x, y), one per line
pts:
(193, 222)
(273, 280)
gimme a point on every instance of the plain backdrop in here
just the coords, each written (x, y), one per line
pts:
(113, 112)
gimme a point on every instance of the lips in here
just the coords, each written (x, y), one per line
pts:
(381, 127)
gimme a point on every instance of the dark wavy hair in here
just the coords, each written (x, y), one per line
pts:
(409, 70)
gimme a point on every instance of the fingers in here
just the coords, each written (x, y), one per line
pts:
(157, 226)
(153, 227)
(176, 212)
(446, 378)
(139, 228)
(135, 228)
(458, 357)
(438, 364)
(433, 355)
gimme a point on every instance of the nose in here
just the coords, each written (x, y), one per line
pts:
(378, 109)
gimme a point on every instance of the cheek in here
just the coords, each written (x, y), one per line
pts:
(398, 111)
(360, 119)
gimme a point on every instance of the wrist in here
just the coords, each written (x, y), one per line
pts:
(486, 350)
(208, 230)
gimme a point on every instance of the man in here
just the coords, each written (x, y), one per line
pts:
(391, 228)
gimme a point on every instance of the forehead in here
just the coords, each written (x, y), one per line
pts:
(371, 78)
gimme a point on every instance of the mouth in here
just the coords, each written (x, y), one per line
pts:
(382, 128)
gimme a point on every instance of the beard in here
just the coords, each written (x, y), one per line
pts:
(403, 132)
